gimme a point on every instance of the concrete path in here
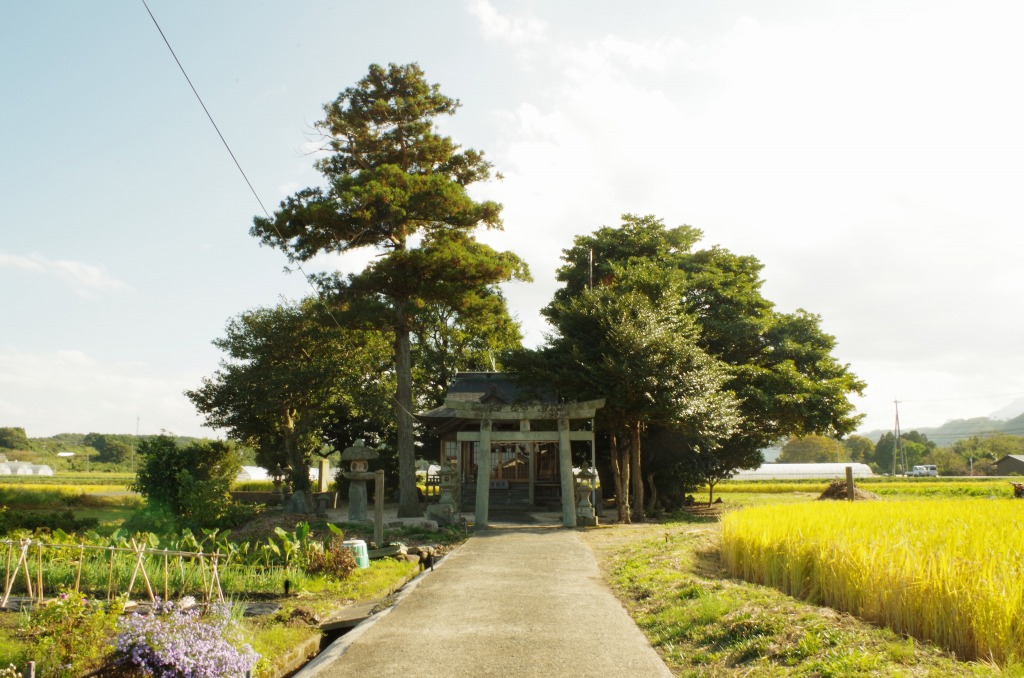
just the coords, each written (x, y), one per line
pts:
(511, 601)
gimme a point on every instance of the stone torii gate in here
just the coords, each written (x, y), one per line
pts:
(562, 413)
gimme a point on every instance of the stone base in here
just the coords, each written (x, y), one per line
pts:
(443, 514)
(586, 521)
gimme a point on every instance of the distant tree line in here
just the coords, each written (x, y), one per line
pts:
(976, 454)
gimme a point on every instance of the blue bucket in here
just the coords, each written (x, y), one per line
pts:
(358, 547)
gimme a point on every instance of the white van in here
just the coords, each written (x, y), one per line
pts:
(924, 470)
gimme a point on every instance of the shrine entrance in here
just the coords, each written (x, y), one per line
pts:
(529, 464)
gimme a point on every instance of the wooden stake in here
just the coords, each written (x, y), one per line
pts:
(39, 570)
(81, 558)
(110, 572)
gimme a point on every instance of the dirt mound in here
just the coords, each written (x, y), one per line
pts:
(837, 490)
(262, 526)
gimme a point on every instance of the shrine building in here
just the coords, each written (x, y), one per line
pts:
(528, 443)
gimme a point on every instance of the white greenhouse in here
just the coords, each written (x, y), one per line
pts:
(800, 471)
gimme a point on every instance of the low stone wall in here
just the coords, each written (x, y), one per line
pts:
(268, 498)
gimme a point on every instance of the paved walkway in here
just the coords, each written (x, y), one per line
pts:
(511, 601)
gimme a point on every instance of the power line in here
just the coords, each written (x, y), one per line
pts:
(241, 171)
(298, 266)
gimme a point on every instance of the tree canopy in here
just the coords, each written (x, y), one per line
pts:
(772, 374)
(625, 341)
(288, 372)
(393, 183)
(13, 438)
(811, 449)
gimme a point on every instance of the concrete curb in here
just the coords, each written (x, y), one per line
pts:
(337, 649)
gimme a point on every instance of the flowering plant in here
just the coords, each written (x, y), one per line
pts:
(174, 642)
(72, 633)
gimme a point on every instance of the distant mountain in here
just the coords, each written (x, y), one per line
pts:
(958, 429)
(1011, 411)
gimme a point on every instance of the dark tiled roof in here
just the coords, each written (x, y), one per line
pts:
(484, 387)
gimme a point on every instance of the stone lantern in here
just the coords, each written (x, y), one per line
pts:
(359, 456)
(278, 475)
(585, 513)
(445, 510)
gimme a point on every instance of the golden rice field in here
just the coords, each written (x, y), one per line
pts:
(894, 487)
(948, 571)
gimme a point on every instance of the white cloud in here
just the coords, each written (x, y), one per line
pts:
(872, 164)
(72, 392)
(85, 279)
(503, 28)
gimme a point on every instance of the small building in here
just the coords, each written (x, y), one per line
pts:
(800, 471)
(527, 443)
(1010, 465)
(41, 470)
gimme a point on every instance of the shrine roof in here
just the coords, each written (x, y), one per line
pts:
(495, 388)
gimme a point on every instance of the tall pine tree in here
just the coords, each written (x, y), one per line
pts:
(395, 185)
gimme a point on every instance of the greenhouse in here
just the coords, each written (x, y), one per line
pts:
(799, 471)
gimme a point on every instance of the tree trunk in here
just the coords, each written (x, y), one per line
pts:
(621, 481)
(653, 501)
(634, 472)
(300, 467)
(408, 498)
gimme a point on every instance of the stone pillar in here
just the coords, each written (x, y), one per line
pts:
(378, 508)
(565, 471)
(323, 480)
(524, 425)
(483, 474)
(356, 501)
(532, 447)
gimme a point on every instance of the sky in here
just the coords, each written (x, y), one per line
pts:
(869, 153)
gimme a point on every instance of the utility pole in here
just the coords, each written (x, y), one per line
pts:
(135, 443)
(897, 447)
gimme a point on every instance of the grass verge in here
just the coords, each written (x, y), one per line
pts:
(704, 624)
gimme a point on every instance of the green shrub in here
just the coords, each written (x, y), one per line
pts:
(72, 634)
(188, 485)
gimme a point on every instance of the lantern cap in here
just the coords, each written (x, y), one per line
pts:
(359, 452)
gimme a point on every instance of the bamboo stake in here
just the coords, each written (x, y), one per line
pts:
(39, 570)
(202, 571)
(81, 558)
(165, 574)
(23, 549)
(7, 570)
(216, 578)
(140, 552)
(23, 558)
(110, 572)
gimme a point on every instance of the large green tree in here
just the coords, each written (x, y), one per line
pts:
(913, 448)
(289, 371)
(13, 438)
(468, 337)
(777, 366)
(627, 343)
(394, 184)
(810, 449)
(781, 365)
